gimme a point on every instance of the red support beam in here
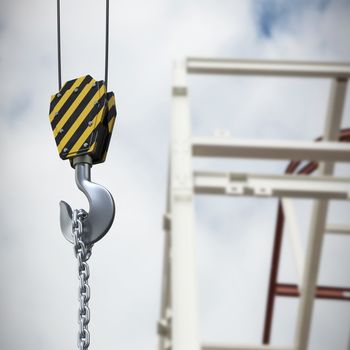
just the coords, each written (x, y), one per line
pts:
(322, 292)
(276, 288)
(276, 252)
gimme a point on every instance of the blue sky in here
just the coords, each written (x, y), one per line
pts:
(271, 15)
(233, 255)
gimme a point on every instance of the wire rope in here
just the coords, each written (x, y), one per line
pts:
(107, 42)
(59, 44)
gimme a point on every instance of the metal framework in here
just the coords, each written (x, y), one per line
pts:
(178, 324)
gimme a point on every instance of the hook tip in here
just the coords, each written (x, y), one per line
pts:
(66, 214)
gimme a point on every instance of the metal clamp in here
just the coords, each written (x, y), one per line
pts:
(100, 217)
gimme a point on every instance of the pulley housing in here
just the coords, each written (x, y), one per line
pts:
(82, 116)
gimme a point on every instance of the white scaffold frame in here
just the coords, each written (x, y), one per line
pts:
(178, 324)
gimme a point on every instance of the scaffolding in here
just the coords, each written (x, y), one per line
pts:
(178, 324)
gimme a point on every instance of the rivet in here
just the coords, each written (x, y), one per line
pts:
(90, 122)
(56, 114)
(65, 149)
(96, 103)
(58, 95)
(86, 144)
(76, 90)
(61, 131)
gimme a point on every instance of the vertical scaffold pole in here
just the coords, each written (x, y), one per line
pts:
(164, 324)
(183, 256)
(318, 221)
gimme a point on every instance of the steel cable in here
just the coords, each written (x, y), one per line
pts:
(107, 42)
(59, 44)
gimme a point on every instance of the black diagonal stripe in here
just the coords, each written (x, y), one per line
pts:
(96, 135)
(85, 124)
(112, 112)
(65, 88)
(102, 135)
(69, 102)
(82, 105)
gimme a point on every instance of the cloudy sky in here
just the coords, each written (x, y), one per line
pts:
(38, 290)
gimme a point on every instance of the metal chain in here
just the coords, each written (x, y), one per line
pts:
(82, 253)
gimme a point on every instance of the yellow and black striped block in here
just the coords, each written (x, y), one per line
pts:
(82, 116)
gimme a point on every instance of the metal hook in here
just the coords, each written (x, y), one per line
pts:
(102, 209)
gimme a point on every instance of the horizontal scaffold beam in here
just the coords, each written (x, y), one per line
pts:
(263, 185)
(268, 68)
(243, 347)
(290, 150)
(338, 229)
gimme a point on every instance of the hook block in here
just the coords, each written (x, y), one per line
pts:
(82, 116)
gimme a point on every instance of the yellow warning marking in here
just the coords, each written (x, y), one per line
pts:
(111, 102)
(92, 147)
(72, 108)
(87, 132)
(80, 119)
(110, 124)
(65, 97)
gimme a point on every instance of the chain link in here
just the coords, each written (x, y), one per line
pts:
(82, 253)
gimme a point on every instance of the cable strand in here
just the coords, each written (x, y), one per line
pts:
(59, 44)
(107, 42)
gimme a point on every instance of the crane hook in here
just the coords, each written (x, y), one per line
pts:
(100, 217)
